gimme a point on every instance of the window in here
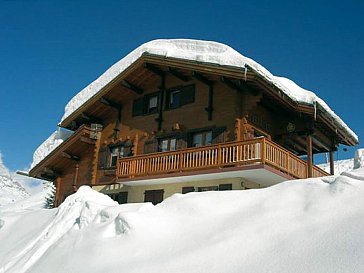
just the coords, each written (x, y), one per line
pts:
(188, 189)
(202, 139)
(114, 153)
(154, 196)
(175, 99)
(225, 187)
(120, 197)
(181, 96)
(146, 105)
(152, 104)
(209, 188)
(167, 144)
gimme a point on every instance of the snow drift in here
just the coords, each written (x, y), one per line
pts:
(312, 225)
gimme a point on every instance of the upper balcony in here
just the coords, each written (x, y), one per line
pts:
(232, 157)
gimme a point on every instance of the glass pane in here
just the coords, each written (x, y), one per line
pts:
(114, 151)
(208, 138)
(164, 145)
(153, 102)
(174, 100)
(197, 140)
(113, 161)
(172, 144)
(121, 153)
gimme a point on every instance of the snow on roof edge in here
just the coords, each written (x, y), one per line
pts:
(205, 52)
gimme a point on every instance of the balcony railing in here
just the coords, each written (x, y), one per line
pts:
(231, 154)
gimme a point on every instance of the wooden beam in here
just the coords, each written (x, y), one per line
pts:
(178, 74)
(152, 68)
(161, 101)
(309, 156)
(210, 102)
(332, 165)
(201, 78)
(69, 156)
(110, 103)
(87, 140)
(118, 107)
(90, 119)
(132, 87)
(58, 190)
(239, 86)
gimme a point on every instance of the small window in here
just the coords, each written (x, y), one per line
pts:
(225, 187)
(114, 156)
(181, 96)
(115, 152)
(152, 104)
(146, 105)
(175, 99)
(210, 188)
(188, 189)
(120, 197)
(202, 139)
(167, 144)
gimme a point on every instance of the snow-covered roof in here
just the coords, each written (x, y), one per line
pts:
(204, 52)
(51, 143)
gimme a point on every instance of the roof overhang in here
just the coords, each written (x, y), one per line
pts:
(65, 154)
(247, 74)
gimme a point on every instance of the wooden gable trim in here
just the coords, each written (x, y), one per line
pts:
(75, 137)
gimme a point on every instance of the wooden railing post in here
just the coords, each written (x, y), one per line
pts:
(180, 160)
(263, 150)
(219, 155)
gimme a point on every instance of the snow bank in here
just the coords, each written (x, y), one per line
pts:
(51, 143)
(204, 52)
(312, 225)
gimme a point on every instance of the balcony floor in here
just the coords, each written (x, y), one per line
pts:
(258, 173)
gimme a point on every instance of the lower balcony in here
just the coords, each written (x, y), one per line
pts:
(236, 157)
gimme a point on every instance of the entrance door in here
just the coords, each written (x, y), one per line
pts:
(154, 196)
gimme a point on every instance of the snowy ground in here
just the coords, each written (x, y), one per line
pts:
(313, 225)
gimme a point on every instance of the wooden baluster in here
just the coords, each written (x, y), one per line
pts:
(262, 153)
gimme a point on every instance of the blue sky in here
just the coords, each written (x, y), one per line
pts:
(50, 50)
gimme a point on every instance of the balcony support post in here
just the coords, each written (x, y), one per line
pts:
(332, 165)
(309, 156)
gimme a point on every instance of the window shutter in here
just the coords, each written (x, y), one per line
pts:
(138, 106)
(218, 135)
(104, 153)
(187, 95)
(151, 146)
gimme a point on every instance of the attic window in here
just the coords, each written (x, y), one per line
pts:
(152, 104)
(178, 97)
(146, 105)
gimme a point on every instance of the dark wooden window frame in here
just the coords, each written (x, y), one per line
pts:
(186, 96)
(141, 105)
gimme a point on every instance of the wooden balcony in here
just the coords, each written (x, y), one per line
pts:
(225, 155)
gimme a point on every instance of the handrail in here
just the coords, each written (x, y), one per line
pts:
(229, 154)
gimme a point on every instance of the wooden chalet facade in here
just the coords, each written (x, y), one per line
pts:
(168, 125)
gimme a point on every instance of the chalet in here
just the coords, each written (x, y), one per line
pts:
(177, 116)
